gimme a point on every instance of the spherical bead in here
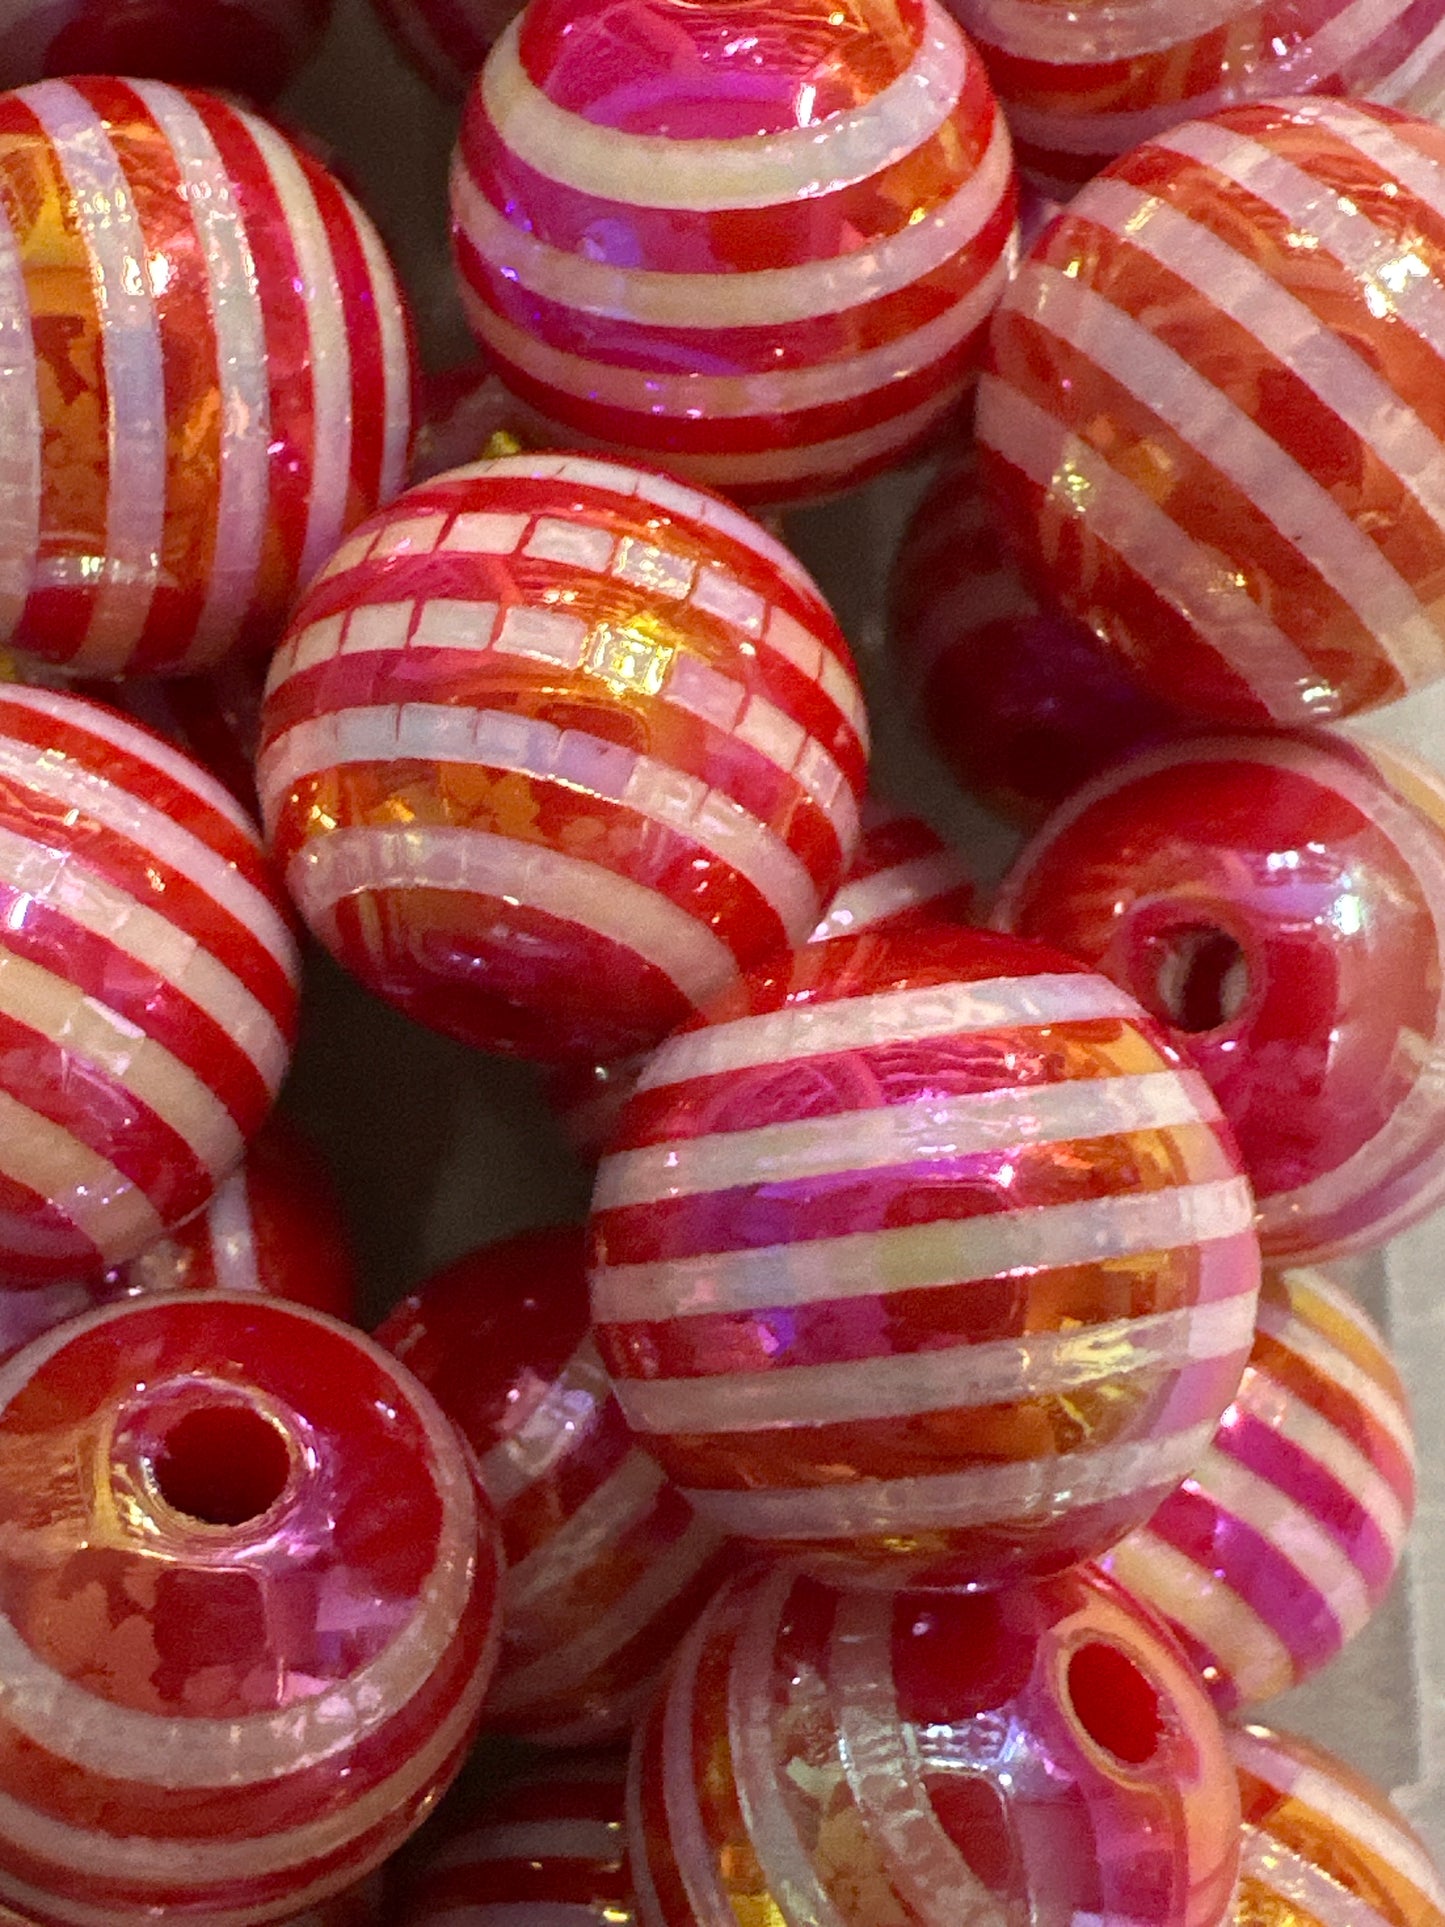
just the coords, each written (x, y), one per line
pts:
(756, 244)
(1214, 409)
(1284, 1539)
(207, 375)
(1279, 903)
(606, 1565)
(548, 1848)
(232, 1685)
(924, 1256)
(252, 47)
(1041, 1754)
(552, 723)
(447, 40)
(148, 983)
(1320, 1844)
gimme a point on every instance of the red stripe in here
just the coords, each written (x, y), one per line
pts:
(368, 377)
(595, 1451)
(39, 1242)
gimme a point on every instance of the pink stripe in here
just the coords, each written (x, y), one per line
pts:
(1337, 1511)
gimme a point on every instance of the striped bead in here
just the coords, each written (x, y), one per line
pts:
(206, 375)
(547, 1851)
(1321, 1846)
(552, 723)
(606, 1565)
(1278, 902)
(446, 40)
(1284, 1539)
(1081, 87)
(148, 985)
(924, 1256)
(758, 249)
(232, 1687)
(1214, 420)
(827, 1758)
(252, 47)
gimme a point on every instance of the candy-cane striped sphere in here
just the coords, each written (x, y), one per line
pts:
(447, 40)
(1215, 415)
(207, 375)
(547, 1851)
(550, 724)
(924, 1255)
(1285, 1538)
(1321, 1846)
(1040, 1755)
(252, 47)
(148, 983)
(758, 247)
(606, 1565)
(1279, 903)
(232, 1684)
(1080, 86)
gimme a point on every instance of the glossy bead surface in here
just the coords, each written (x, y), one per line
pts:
(1321, 1846)
(252, 47)
(1213, 400)
(754, 243)
(1081, 84)
(1285, 1538)
(548, 1848)
(232, 1686)
(552, 723)
(208, 375)
(924, 1256)
(1023, 706)
(606, 1564)
(1278, 903)
(1034, 1758)
(148, 984)
(447, 40)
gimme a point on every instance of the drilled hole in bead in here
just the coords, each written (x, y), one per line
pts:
(1201, 978)
(1115, 1704)
(222, 1464)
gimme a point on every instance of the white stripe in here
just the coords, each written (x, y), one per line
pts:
(1304, 1891)
(549, 1431)
(562, 1839)
(104, 210)
(1146, 26)
(1273, 485)
(85, 1188)
(1034, 1490)
(926, 1130)
(1293, 1419)
(687, 1842)
(244, 401)
(1292, 1531)
(1291, 1329)
(1255, 1659)
(766, 298)
(888, 893)
(21, 435)
(231, 1233)
(961, 1378)
(396, 358)
(1188, 576)
(888, 1017)
(1415, 84)
(348, 862)
(949, 1251)
(534, 1584)
(330, 352)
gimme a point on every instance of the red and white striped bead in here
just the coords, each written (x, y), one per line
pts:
(447, 40)
(207, 375)
(1286, 1536)
(1321, 1846)
(764, 258)
(547, 1851)
(1215, 412)
(924, 1256)
(553, 723)
(251, 47)
(148, 986)
(606, 1565)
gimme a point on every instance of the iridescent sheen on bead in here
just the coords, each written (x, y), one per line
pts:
(251, 47)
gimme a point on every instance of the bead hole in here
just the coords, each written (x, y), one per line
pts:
(1115, 1704)
(222, 1464)
(1201, 978)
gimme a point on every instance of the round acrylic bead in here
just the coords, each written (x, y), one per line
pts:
(1285, 1538)
(1214, 392)
(1040, 1755)
(756, 243)
(606, 1565)
(1022, 705)
(148, 985)
(1321, 1845)
(447, 40)
(924, 1256)
(549, 1848)
(1279, 903)
(233, 1685)
(207, 375)
(250, 46)
(553, 723)
(1082, 84)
